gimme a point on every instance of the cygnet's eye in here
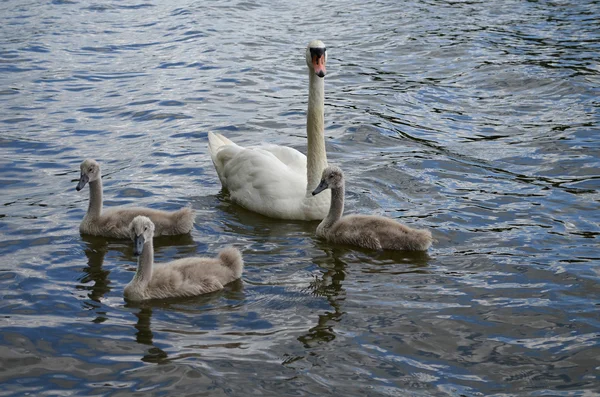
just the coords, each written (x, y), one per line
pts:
(145, 228)
(91, 170)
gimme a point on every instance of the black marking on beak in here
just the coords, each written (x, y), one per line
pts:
(83, 179)
(317, 52)
(322, 186)
(138, 245)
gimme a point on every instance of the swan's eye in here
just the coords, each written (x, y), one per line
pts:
(145, 228)
(91, 170)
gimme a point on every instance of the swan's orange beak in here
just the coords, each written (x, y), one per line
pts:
(318, 63)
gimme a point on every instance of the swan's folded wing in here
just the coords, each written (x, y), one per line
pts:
(269, 179)
(259, 168)
(223, 150)
(264, 155)
(292, 158)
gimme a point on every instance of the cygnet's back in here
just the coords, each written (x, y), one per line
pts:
(195, 276)
(377, 232)
(114, 222)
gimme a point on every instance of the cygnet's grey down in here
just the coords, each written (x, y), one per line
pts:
(115, 221)
(367, 231)
(180, 278)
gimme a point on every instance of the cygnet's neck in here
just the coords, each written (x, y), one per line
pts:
(95, 207)
(315, 131)
(336, 209)
(143, 273)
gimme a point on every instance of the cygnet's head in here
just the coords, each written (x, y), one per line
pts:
(141, 230)
(90, 172)
(332, 178)
(316, 57)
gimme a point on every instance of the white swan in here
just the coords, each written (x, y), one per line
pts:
(115, 221)
(179, 278)
(273, 180)
(367, 231)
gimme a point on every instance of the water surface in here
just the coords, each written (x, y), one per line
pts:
(477, 120)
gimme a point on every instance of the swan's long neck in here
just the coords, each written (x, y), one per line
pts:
(336, 209)
(143, 273)
(315, 131)
(95, 207)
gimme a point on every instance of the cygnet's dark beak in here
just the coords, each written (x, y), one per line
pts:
(138, 245)
(83, 179)
(322, 186)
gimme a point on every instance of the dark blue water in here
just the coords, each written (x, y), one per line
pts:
(477, 120)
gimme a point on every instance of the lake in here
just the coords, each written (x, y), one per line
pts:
(476, 120)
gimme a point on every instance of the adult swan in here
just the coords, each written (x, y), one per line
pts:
(277, 181)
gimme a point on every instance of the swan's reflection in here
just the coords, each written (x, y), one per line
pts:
(240, 221)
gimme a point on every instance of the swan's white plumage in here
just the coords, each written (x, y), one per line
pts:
(267, 179)
(274, 180)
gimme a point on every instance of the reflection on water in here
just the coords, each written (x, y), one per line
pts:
(144, 333)
(96, 248)
(144, 336)
(475, 120)
(330, 286)
(233, 293)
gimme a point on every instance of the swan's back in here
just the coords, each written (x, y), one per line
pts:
(194, 276)
(267, 179)
(376, 232)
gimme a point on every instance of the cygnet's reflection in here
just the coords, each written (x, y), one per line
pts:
(330, 284)
(191, 306)
(95, 250)
(144, 336)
